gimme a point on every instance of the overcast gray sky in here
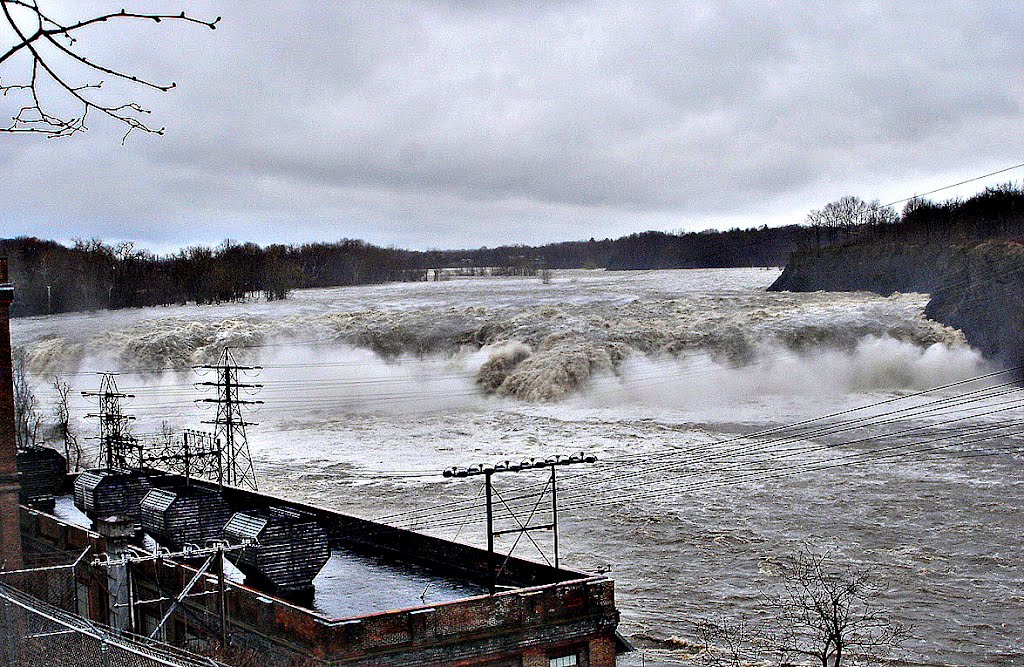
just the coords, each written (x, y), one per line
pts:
(455, 124)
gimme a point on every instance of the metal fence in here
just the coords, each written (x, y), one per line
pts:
(49, 578)
(34, 633)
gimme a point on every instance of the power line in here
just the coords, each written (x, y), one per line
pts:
(894, 451)
(947, 401)
(953, 185)
(952, 402)
(943, 405)
(668, 452)
(459, 511)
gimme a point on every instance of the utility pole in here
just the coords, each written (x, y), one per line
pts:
(222, 597)
(554, 514)
(492, 577)
(524, 528)
(118, 560)
(230, 424)
(118, 449)
(196, 454)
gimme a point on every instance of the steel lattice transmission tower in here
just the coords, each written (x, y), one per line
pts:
(118, 447)
(229, 426)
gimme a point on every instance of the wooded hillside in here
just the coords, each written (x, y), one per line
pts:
(53, 278)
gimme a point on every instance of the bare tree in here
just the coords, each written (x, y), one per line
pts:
(72, 450)
(816, 221)
(828, 613)
(916, 204)
(879, 215)
(53, 69)
(846, 215)
(822, 612)
(26, 415)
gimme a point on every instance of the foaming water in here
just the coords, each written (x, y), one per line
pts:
(699, 382)
(371, 391)
(535, 343)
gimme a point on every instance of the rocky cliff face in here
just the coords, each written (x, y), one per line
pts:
(977, 288)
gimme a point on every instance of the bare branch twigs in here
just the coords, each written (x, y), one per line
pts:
(50, 47)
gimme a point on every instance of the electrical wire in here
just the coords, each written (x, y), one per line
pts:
(953, 401)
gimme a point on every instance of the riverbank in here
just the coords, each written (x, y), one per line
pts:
(975, 287)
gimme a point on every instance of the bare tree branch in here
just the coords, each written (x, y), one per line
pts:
(27, 419)
(60, 41)
(72, 449)
(823, 612)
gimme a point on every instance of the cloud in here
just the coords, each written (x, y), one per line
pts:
(434, 124)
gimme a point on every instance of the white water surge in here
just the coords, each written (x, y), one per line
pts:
(370, 391)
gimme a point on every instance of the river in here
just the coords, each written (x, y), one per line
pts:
(369, 392)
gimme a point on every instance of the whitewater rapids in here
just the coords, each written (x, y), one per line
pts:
(370, 391)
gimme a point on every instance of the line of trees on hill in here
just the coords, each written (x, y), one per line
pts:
(761, 246)
(87, 275)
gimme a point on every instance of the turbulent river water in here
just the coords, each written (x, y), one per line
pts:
(665, 375)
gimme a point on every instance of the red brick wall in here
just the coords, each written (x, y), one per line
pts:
(10, 534)
(525, 626)
(528, 625)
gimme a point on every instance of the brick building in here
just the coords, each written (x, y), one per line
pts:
(541, 617)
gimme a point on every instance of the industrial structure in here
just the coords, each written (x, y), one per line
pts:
(170, 545)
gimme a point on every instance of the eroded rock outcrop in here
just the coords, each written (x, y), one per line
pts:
(977, 288)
